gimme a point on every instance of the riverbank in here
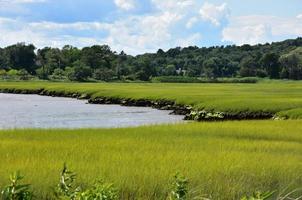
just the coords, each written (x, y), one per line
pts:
(200, 102)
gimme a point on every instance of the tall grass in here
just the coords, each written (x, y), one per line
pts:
(224, 160)
(272, 96)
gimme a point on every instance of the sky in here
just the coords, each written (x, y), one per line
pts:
(140, 26)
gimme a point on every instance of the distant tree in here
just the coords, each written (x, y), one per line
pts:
(79, 72)
(169, 70)
(97, 56)
(103, 74)
(21, 56)
(248, 67)
(270, 62)
(210, 67)
(144, 69)
(3, 60)
(292, 64)
(70, 54)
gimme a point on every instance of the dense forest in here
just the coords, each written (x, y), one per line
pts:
(278, 60)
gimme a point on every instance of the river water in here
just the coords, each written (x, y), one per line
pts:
(34, 111)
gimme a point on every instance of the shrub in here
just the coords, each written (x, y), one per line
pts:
(15, 190)
(103, 74)
(58, 74)
(12, 72)
(100, 191)
(2, 72)
(23, 74)
(179, 188)
(79, 72)
(66, 188)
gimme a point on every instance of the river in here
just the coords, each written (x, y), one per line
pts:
(34, 111)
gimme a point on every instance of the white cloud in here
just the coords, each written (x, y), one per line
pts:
(133, 34)
(136, 34)
(299, 16)
(214, 14)
(125, 4)
(174, 5)
(254, 29)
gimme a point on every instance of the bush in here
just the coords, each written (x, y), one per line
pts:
(103, 74)
(58, 74)
(79, 72)
(100, 191)
(2, 72)
(67, 190)
(23, 74)
(15, 190)
(179, 188)
(12, 72)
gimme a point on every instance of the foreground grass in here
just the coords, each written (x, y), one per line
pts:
(268, 96)
(221, 159)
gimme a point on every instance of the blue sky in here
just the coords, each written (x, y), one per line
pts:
(139, 26)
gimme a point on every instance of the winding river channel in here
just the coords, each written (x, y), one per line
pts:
(34, 111)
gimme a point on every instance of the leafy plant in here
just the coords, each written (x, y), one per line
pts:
(100, 191)
(66, 188)
(179, 188)
(15, 190)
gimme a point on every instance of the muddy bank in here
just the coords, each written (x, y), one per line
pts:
(177, 109)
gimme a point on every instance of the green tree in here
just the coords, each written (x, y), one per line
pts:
(270, 62)
(248, 67)
(292, 64)
(21, 56)
(79, 72)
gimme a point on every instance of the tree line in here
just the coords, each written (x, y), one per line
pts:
(277, 60)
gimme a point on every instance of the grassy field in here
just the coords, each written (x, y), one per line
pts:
(221, 159)
(266, 96)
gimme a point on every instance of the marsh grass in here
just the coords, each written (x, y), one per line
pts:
(224, 160)
(266, 96)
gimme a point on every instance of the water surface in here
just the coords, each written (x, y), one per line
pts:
(34, 111)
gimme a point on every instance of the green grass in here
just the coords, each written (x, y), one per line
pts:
(266, 96)
(291, 114)
(221, 159)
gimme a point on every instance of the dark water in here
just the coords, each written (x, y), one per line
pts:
(33, 111)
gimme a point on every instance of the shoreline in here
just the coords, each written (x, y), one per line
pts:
(176, 109)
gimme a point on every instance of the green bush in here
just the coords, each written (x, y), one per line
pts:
(67, 189)
(79, 72)
(15, 190)
(100, 191)
(179, 188)
(12, 72)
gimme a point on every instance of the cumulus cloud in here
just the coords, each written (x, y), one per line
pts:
(125, 4)
(299, 16)
(254, 29)
(214, 14)
(174, 5)
(135, 34)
